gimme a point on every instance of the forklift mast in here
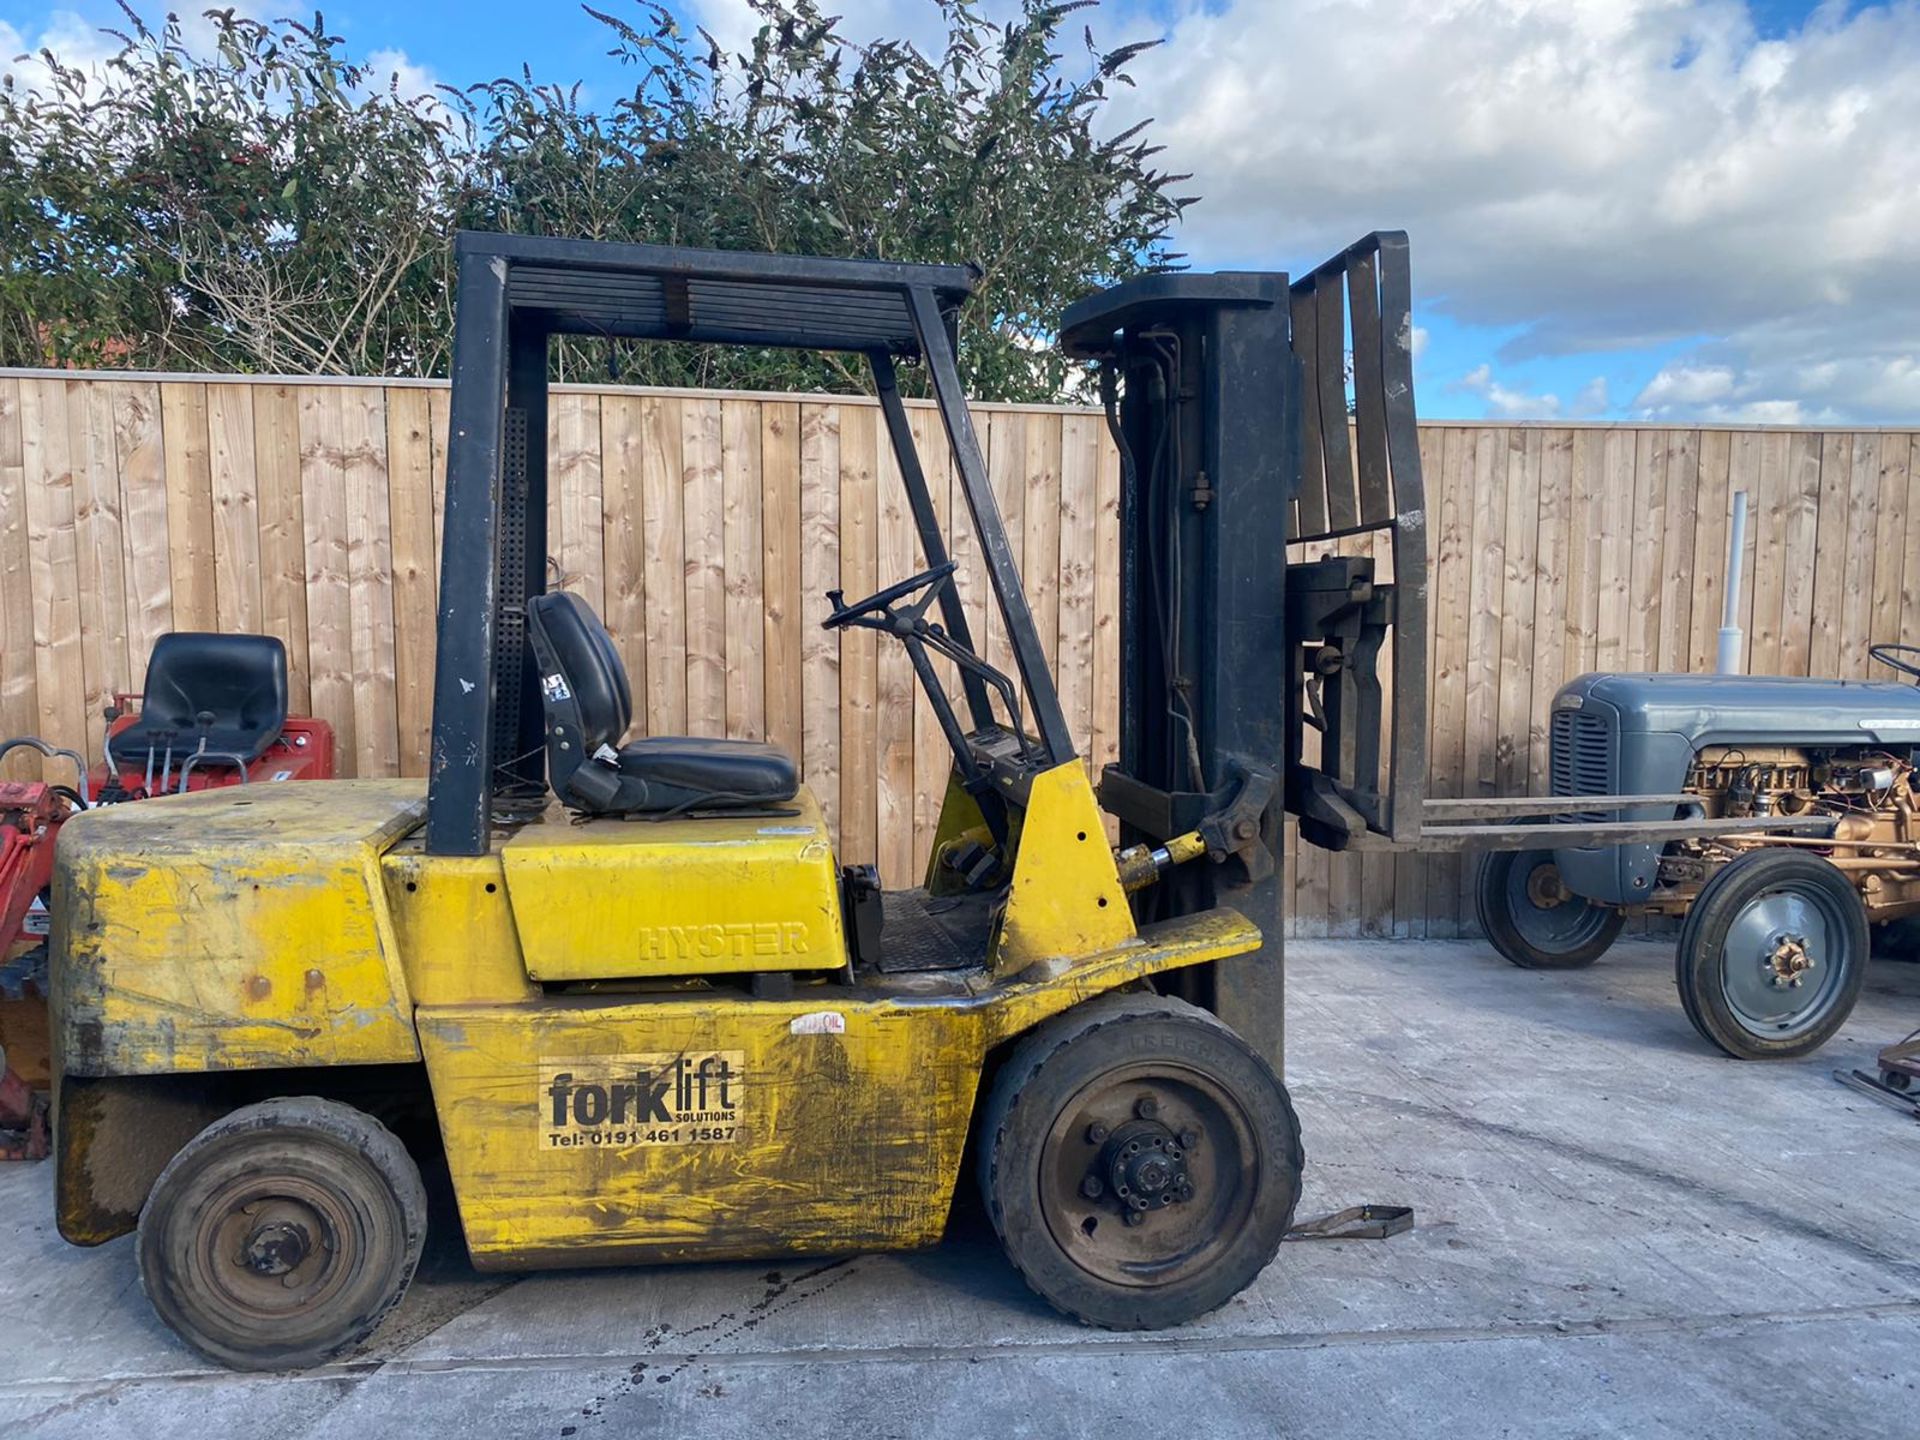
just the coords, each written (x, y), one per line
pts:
(1228, 397)
(1204, 494)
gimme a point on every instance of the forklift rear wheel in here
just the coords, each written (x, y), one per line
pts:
(282, 1234)
(1140, 1162)
(1531, 918)
(1772, 955)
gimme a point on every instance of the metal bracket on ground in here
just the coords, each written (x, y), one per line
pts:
(1356, 1222)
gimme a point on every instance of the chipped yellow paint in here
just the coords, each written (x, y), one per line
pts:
(1066, 898)
(455, 926)
(637, 899)
(232, 929)
(849, 1114)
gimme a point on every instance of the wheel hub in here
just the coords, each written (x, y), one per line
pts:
(1544, 887)
(273, 1253)
(1787, 962)
(1142, 1166)
(277, 1248)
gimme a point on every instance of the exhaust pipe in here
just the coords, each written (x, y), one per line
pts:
(1730, 633)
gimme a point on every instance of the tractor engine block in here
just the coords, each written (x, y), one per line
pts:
(1784, 780)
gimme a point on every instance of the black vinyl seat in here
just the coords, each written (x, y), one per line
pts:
(589, 704)
(229, 691)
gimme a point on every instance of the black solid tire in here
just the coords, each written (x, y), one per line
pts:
(321, 1147)
(1700, 957)
(1054, 1064)
(1492, 903)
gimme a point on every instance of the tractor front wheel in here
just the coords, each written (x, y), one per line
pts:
(282, 1234)
(1773, 955)
(1139, 1161)
(1530, 916)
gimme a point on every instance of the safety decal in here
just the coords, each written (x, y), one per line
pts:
(818, 1022)
(555, 687)
(618, 1102)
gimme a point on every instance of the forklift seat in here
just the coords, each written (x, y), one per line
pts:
(589, 704)
(228, 690)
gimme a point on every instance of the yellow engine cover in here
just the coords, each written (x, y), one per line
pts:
(233, 929)
(639, 899)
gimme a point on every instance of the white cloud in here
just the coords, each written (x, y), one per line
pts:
(1590, 174)
(410, 78)
(77, 42)
(83, 45)
(1760, 412)
(1592, 399)
(1507, 402)
(1686, 385)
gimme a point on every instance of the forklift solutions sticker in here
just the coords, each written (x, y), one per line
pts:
(616, 1102)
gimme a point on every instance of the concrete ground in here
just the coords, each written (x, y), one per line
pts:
(1619, 1233)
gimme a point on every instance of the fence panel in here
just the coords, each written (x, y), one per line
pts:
(706, 529)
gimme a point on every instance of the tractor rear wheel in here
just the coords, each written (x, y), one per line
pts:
(1139, 1161)
(1529, 916)
(1772, 955)
(282, 1234)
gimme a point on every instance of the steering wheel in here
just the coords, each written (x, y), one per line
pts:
(1890, 656)
(844, 614)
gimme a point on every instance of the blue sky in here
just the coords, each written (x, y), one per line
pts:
(1700, 209)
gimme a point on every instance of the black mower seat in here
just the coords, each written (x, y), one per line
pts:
(227, 690)
(589, 704)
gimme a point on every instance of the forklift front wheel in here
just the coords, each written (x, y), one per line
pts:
(1140, 1162)
(1529, 916)
(282, 1234)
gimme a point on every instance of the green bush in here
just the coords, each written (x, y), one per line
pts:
(268, 207)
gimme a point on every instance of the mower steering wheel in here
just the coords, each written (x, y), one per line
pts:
(1889, 655)
(844, 614)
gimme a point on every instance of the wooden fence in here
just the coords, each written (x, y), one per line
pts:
(706, 528)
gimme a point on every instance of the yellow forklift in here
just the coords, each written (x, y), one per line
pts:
(623, 985)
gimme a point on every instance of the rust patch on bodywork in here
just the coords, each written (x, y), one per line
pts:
(112, 1138)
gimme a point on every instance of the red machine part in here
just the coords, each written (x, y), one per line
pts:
(30, 816)
(303, 751)
(23, 1117)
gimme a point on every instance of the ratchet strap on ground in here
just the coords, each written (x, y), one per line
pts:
(1356, 1222)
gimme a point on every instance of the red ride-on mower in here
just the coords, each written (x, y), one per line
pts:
(214, 713)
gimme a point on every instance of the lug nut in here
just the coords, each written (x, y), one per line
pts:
(1134, 1217)
(1189, 1139)
(1146, 1107)
(1096, 1132)
(1091, 1187)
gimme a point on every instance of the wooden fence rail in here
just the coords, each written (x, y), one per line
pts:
(707, 527)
